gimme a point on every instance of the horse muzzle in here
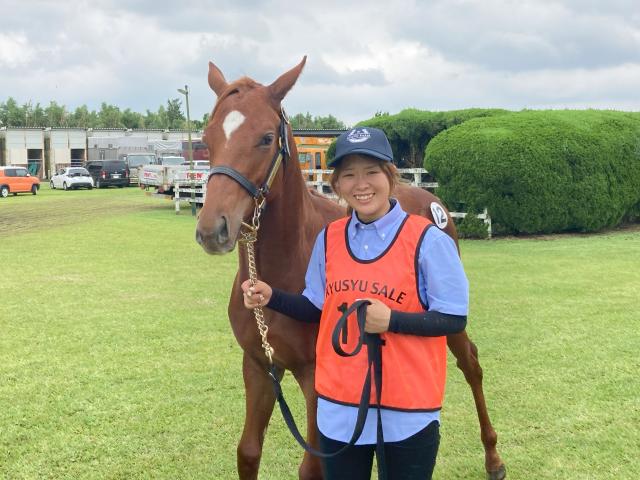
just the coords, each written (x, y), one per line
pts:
(216, 240)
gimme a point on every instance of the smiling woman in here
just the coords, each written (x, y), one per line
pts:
(363, 183)
(251, 168)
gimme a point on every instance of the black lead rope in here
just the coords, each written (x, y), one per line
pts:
(374, 353)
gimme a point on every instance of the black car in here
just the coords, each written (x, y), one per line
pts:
(108, 172)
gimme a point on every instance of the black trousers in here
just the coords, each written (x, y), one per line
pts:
(411, 459)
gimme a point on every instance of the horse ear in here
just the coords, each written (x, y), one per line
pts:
(283, 84)
(216, 79)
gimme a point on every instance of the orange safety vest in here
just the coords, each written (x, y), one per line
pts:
(413, 367)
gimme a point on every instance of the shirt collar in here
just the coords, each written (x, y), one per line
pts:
(382, 225)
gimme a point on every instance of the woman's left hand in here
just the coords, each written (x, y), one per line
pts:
(378, 317)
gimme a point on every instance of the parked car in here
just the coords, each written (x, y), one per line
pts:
(17, 180)
(108, 172)
(71, 178)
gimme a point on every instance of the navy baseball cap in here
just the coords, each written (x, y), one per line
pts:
(364, 140)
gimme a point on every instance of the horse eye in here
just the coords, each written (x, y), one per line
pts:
(267, 139)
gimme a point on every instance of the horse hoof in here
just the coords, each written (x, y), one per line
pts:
(497, 474)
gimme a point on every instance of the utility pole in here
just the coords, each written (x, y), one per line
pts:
(185, 92)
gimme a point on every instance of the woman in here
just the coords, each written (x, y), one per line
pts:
(411, 273)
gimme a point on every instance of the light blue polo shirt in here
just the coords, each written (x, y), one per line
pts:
(443, 286)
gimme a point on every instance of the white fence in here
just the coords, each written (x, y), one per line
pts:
(319, 181)
(414, 175)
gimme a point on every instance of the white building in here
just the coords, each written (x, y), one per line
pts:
(23, 147)
(64, 147)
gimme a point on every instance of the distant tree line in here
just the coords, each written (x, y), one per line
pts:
(108, 116)
(169, 116)
(306, 121)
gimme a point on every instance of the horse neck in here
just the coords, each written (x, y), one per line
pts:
(285, 225)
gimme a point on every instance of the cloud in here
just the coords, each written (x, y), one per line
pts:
(509, 36)
(437, 54)
(15, 50)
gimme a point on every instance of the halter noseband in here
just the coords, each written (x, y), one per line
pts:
(259, 193)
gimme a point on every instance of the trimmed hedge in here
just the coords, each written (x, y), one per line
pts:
(471, 227)
(411, 130)
(542, 171)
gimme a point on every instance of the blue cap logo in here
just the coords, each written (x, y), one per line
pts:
(358, 135)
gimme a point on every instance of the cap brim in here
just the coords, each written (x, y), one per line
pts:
(363, 151)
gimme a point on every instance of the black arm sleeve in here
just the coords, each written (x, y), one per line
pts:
(426, 324)
(295, 306)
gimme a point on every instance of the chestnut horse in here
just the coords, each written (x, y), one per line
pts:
(244, 132)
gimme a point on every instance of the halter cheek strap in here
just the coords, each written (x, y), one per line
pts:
(282, 153)
(238, 177)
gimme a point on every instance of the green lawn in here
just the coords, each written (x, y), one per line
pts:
(117, 360)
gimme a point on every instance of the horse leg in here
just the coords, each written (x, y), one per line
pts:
(259, 402)
(466, 354)
(310, 468)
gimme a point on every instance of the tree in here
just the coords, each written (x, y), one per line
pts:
(11, 115)
(57, 115)
(151, 120)
(36, 116)
(329, 122)
(200, 124)
(306, 121)
(132, 119)
(109, 116)
(83, 118)
(301, 121)
(175, 118)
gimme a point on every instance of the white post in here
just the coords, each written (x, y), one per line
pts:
(487, 221)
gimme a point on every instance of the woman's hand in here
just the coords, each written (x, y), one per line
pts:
(378, 317)
(257, 295)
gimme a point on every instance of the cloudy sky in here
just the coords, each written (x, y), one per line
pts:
(363, 57)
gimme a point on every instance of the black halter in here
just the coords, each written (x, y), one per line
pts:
(259, 193)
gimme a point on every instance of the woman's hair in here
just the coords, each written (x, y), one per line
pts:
(388, 168)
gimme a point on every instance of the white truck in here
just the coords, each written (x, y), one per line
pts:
(163, 178)
(135, 161)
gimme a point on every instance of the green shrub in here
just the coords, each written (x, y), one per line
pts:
(472, 227)
(542, 171)
(411, 130)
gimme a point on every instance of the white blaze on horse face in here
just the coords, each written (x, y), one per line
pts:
(231, 123)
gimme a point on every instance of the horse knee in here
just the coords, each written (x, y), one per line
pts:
(248, 460)
(489, 438)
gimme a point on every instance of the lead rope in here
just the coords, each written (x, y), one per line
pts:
(249, 237)
(373, 342)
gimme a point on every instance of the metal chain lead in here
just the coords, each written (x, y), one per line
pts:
(249, 237)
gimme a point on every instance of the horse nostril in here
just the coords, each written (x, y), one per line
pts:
(223, 232)
(198, 237)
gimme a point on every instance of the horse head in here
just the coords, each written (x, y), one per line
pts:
(246, 133)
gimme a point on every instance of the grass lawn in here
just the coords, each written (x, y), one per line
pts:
(117, 360)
